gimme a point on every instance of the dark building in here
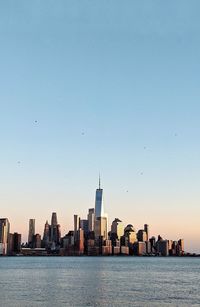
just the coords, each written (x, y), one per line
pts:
(84, 226)
(162, 247)
(37, 241)
(55, 230)
(31, 232)
(46, 235)
(17, 241)
(91, 217)
(14, 243)
(142, 235)
(146, 229)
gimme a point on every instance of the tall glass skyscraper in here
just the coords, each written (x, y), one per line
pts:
(101, 221)
(99, 207)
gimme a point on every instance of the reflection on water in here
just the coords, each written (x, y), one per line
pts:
(99, 281)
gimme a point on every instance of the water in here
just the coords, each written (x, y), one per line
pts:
(99, 281)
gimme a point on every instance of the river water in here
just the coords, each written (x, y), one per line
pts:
(99, 281)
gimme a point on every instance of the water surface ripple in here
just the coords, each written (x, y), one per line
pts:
(99, 281)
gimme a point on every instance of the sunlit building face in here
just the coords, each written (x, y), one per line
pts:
(4, 235)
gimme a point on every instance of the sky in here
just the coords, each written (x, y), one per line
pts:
(101, 86)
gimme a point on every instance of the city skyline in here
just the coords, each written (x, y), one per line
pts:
(96, 87)
(91, 236)
(94, 227)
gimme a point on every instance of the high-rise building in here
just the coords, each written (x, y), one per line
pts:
(152, 244)
(68, 240)
(76, 226)
(162, 247)
(76, 223)
(117, 228)
(54, 220)
(37, 241)
(10, 244)
(101, 220)
(14, 243)
(80, 242)
(4, 235)
(146, 229)
(58, 234)
(101, 230)
(142, 235)
(17, 238)
(31, 232)
(180, 247)
(55, 229)
(99, 206)
(47, 234)
(84, 226)
(91, 216)
(130, 235)
(139, 248)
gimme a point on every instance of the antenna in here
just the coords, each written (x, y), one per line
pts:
(99, 182)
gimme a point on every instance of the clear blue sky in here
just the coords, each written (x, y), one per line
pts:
(114, 87)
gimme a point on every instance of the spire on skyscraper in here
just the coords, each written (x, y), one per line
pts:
(99, 181)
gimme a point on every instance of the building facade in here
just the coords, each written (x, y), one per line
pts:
(4, 235)
(31, 232)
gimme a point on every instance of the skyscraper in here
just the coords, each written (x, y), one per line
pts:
(17, 239)
(55, 229)
(101, 221)
(54, 220)
(31, 231)
(47, 234)
(101, 230)
(80, 242)
(142, 235)
(37, 241)
(4, 235)
(84, 226)
(91, 220)
(76, 225)
(146, 229)
(99, 207)
(117, 228)
(130, 235)
(14, 243)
